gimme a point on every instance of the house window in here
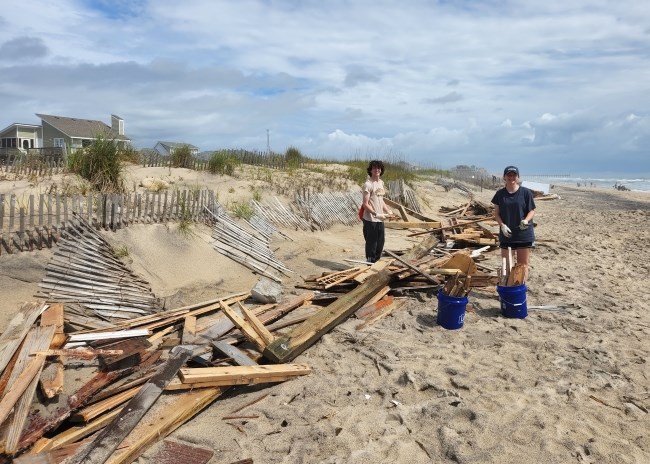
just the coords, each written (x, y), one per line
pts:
(58, 142)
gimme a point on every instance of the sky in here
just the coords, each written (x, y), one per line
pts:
(554, 87)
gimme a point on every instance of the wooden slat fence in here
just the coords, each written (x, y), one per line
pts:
(28, 165)
(38, 220)
(253, 158)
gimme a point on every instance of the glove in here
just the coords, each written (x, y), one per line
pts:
(523, 225)
(505, 230)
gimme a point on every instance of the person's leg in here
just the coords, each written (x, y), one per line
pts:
(380, 240)
(370, 235)
(523, 257)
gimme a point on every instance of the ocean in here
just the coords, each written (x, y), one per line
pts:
(639, 184)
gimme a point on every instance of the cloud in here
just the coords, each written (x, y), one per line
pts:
(23, 49)
(444, 83)
(451, 97)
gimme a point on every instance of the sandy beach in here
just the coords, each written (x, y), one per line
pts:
(563, 385)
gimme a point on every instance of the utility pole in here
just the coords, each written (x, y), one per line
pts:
(268, 143)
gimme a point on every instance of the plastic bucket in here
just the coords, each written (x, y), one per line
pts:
(451, 311)
(513, 301)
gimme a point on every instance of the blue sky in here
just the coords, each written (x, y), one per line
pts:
(553, 86)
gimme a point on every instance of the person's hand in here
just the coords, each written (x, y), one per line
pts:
(523, 225)
(505, 230)
(381, 216)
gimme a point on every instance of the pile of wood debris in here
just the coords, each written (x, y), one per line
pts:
(109, 390)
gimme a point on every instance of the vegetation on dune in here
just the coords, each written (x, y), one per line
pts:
(181, 157)
(223, 162)
(101, 164)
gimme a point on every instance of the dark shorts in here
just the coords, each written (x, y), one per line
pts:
(516, 246)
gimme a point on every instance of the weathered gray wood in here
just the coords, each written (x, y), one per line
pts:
(15, 332)
(238, 356)
(108, 439)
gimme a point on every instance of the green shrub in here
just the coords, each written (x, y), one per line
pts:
(100, 164)
(181, 157)
(293, 158)
(242, 210)
(222, 162)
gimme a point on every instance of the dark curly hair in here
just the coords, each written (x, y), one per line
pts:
(375, 163)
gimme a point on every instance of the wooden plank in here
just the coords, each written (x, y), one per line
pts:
(15, 332)
(189, 329)
(39, 424)
(375, 268)
(175, 410)
(412, 225)
(76, 433)
(19, 385)
(244, 326)
(238, 356)
(287, 347)
(517, 275)
(51, 380)
(39, 338)
(415, 214)
(108, 439)
(256, 324)
(96, 409)
(389, 305)
(240, 374)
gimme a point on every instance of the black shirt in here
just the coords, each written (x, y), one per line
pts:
(513, 207)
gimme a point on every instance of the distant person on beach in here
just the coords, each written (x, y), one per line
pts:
(514, 209)
(375, 211)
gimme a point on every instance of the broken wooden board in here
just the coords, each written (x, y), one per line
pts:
(15, 332)
(461, 261)
(415, 214)
(104, 445)
(375, 268)
(286, 348)
(517, 275)
(38, 338)
(170, 412)
(40, 424)
(412, 225)
(51, 380)
(175, 452)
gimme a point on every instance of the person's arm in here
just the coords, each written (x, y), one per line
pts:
(505, 230)
(366, 203)
(497, 216)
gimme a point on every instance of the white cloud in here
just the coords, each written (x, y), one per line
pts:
(456, 82)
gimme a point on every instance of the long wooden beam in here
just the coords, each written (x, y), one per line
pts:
(286, 348)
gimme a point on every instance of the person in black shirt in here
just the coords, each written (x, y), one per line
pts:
(514, 209)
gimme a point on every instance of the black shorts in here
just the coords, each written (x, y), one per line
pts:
(516, 246)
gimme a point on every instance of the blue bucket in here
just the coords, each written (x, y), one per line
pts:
(451, 311)
(513, 301)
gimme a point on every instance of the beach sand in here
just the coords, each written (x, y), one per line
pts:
(567, 385)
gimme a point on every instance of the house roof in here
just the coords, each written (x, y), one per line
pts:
(19, 124)
(177, 145)
(81, 128)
